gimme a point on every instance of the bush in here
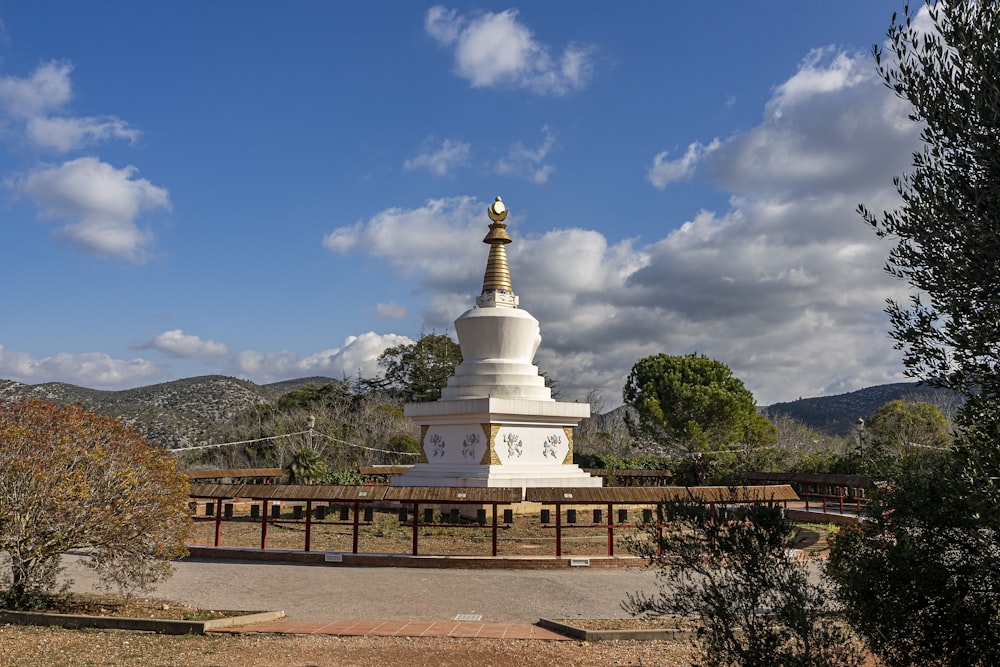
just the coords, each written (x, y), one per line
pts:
(70, 479)
(731, 568)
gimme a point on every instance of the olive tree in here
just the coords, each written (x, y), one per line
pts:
(731, 568)
(71, 479)
(920, 578)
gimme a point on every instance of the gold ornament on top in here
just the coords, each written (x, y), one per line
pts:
(497, 211)
(497, 289)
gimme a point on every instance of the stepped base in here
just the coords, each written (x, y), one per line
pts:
(504, 476)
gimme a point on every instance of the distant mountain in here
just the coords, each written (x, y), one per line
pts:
(174, 414)
(837, 415)
(184, 413)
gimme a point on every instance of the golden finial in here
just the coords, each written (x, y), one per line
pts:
(497, 289)
(498, 231)
(497, 211)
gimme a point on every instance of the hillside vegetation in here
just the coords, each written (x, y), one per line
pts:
(182, 413)
(837, 415)
(185, 413)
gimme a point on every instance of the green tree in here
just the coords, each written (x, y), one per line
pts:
(71, 479)
(419, 371)
(920, 578)
(692, 404)
(899, 429)
(947, 243)
(731, 568)
(307, 467)
(314, 395)
(803, 449)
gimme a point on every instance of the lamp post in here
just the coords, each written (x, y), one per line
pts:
(860, 426)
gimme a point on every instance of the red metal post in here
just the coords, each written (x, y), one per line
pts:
(218, 521)
(357, 509)
(659, 530)
(558, 530)
(494, 529)
(263, 527)
(611, 531)
(309, 513)
(416, 530)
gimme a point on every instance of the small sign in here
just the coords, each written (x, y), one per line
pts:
(567, 495)
(362, 494)
(579, 562)
(334, 558)
(461, 495)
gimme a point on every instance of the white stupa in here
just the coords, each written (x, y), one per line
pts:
(496, 423)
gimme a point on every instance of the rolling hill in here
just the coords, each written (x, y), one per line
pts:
(174, 414)
(184, 413)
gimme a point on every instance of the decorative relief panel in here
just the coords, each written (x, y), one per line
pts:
(515, 446)
(550, 445)
(438, 446)
(423, 437)
(494, 457)
(469, 446)
(568, 430)
(490, 455)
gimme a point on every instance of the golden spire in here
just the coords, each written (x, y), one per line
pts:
(497, 290)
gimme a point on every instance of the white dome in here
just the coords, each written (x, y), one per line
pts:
(498, 346)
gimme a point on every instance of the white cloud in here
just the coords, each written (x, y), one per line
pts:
(529, 163)
(357, 355)
(99, 203)
(664, 172)
(47, 89)
(175, 343)
(494, 50)
(94, 369)
(439, 236)
(64, 134)
(451, 154)
(829, 129)
(391, 310)
(785, 286)
(39, 101)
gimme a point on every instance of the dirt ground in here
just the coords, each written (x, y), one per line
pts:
(53, 647)
(50, 646)
(526, 536)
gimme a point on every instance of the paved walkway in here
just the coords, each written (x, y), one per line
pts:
(397, 601)
(467, 629)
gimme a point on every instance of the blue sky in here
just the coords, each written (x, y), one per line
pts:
(277, 190)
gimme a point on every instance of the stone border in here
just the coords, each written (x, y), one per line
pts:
(347, 559)
(161, 626)
(664, 634)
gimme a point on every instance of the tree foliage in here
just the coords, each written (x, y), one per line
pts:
(419, 371)
(307, 467)
(692, 404)
(947, 230)
(70, 479)
(899, 429)
(731, 568)
(921, 578)
(352, 429)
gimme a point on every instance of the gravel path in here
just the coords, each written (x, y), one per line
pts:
(320, 592)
